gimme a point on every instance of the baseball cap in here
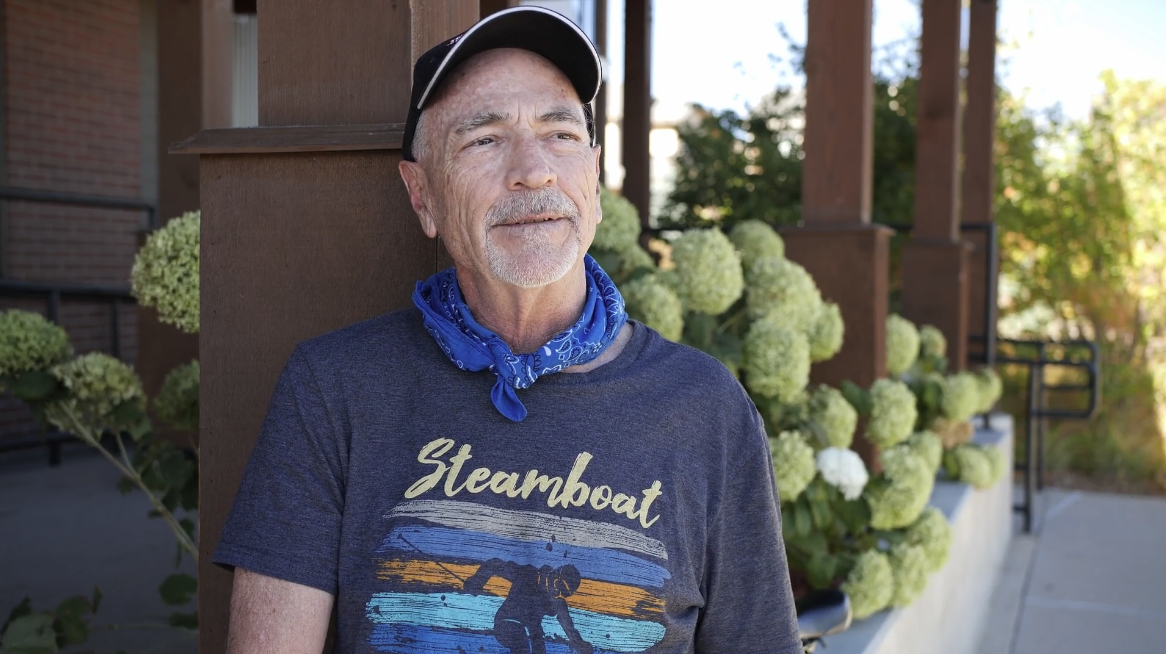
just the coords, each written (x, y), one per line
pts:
(539, 30)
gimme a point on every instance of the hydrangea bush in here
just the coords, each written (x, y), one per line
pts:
(31, 343)
(165, 272)
(738, 298)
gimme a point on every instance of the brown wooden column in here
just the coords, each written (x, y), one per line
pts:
(838, 246)
(306, 226)
(600, 104)
(979, 183)
(194, 92)
(637, 104)
(935, 261)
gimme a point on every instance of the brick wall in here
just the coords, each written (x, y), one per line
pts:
(72, 122)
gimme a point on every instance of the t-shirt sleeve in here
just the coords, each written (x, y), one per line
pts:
(285, 522)
(749, 606)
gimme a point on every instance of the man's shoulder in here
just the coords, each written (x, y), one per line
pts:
(381, 339)
(698, 372)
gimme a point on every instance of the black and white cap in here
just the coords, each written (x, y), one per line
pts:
(539, 30)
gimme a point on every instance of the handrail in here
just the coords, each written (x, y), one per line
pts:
(77, 199)
(53, 294)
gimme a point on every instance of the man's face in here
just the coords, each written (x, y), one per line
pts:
(508, 176)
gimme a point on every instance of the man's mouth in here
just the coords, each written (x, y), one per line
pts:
(530, 220)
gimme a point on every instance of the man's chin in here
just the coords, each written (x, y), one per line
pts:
(533, 270)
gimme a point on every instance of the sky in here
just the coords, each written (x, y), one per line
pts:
(718, 53)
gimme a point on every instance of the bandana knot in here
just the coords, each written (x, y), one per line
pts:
(473, 348)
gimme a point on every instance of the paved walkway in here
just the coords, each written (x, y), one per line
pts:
(65, 530)
(1091, 579)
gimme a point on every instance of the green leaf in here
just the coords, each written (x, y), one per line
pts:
(184, 620)
(820, 511)
(30, 634)
(141, 429)
(21, 610)
(187, 526)
(178, 589)
(125, 485)
(802, 520)
(97, 596)
(858, 397)
(33, 386)
(126, 413)
(820, 570)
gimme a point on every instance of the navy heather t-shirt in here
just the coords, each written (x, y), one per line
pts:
(633, 510)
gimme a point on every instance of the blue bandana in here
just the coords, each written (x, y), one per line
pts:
(472, 347)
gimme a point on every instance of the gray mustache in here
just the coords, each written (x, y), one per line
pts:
(513, 206)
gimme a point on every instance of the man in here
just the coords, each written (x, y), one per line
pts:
(428, 472)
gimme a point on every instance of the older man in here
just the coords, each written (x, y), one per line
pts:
(430, 475)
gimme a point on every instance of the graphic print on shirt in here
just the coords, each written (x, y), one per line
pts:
(461, 577)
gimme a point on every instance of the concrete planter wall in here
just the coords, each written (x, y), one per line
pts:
(950, 614)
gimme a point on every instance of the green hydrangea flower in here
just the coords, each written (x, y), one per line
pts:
(870, 584)
(933, 533)
(165, 272)
(910, 567)
(826, 333)
(755, 239)
(960, 396)
(990, 389)
(900, 496)
(782, 291)
(96, 384)
(793, 464)
(653, 303)
(902, 344)
(932, 344)
(708, 273)
(928, 446)
(997, 462)
(30, 342)
(632, 258)
(893, 413)
(177, 401)
(620, 228)
(837, 419)
(970, 464)
(776, 361)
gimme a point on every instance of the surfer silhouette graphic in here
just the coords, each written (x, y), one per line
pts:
(534, 593)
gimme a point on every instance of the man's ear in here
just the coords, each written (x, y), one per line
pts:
(596, 149)
(417, 184)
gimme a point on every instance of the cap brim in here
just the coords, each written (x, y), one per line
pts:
(539, 30)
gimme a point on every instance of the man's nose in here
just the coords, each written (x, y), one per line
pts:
(529, 168)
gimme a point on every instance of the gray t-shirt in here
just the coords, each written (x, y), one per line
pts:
(633, 510)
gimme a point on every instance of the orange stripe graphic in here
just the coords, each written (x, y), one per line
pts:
(596, 596)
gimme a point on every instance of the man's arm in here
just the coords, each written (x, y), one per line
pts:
(272, 616)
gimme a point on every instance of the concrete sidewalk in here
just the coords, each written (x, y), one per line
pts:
(1092, 578)
(65, 530)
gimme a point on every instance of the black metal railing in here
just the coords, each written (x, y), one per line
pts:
(79, 200)
(1038, 356)
(53, 294)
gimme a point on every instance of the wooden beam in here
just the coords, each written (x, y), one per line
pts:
(295, 138)
(937, 123)
(637, 105)
(601, 99)
(846, 255)
(979, 183)
(836, 182)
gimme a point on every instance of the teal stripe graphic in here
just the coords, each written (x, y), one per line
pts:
(476, 612)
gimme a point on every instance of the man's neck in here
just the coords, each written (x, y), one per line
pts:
(526, 318)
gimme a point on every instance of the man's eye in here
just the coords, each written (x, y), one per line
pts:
(566, 136)
(485, 140)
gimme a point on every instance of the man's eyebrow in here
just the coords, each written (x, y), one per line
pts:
(480, 120)
(561, 115)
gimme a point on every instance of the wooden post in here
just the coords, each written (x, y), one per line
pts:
(838, 246)
(979, 184)
(637, 105)
(194, 92)
(601, 99)
(306, 226)
(935, 260)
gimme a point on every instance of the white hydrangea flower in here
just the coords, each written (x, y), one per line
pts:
(844, 470)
